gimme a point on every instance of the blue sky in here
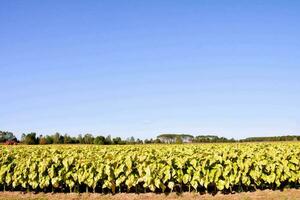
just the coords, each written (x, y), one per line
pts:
(140, 68)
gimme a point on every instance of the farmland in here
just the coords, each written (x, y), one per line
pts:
(202, 168)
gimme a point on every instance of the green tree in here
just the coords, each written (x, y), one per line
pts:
(178, 140)
(99, 140)
(88, 139)
(29, 138)
(117, 140)
(56, 138)
(7, 136)
(108, 140)
(49, 139)
(67, 139)
(80, 139)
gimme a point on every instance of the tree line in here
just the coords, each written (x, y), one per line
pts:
(57, 138)
(179, 138)
(272, 138)
(7, 136)
(212, 139)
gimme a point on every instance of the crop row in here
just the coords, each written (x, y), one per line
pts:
(145, 168)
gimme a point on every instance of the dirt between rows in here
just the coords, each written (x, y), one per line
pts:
(290, 194)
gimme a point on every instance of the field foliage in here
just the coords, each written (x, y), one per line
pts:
(150, 168)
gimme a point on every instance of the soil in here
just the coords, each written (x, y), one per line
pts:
(290, 194)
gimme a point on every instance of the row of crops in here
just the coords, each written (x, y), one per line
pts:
(150, 168)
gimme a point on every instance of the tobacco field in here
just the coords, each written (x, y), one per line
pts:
(150, 168)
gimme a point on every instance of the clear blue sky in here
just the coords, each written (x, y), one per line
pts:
(140, 68)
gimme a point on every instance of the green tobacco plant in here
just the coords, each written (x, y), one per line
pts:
(150, 168)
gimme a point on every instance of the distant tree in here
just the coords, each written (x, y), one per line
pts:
(80, 139)
(274, 138)
(57, 138)
(42, 140)
(151, 141)
(139, 141)
(178, 140)
(108, 140)
(29, 138)
(156, 141)
(23, 137)
(88, 139)
(7, 136)
(131, 140)
(99, 140)
(117, 140)
(171, 138)
(211, 139)
(68, 139)
(146, 141)
(49, 139)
